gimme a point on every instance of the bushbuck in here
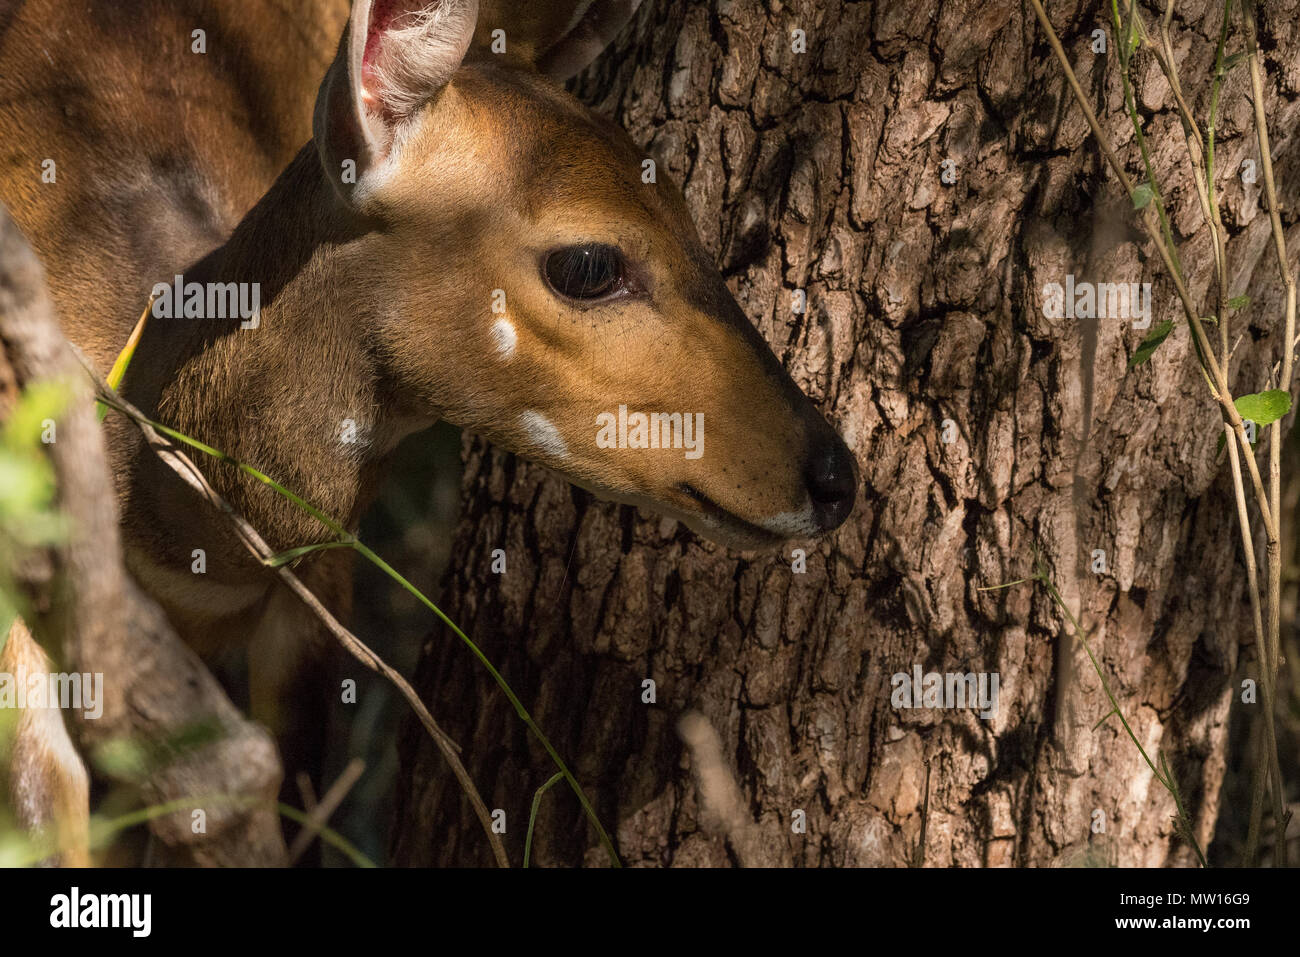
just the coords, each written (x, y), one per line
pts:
(460, 239)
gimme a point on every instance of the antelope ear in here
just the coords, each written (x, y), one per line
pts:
(395, 56)
(559, 37)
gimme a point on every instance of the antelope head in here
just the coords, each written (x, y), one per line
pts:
(529, 282)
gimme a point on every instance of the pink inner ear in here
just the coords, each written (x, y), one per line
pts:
(383, 17)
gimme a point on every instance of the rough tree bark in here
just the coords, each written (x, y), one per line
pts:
(823, 171)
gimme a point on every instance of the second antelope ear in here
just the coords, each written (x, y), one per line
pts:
(395, 56)
(559, 37)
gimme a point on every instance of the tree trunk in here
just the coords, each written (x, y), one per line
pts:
(985, 430)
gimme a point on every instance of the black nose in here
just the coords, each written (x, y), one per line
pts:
(832, 482)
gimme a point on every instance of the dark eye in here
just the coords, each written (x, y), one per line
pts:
(585, 272)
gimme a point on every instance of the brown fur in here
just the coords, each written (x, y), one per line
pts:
(378, 312)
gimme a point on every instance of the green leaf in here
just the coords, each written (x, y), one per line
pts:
(1239, 302)
(1233, 60)
(1263, 408)
(1142, 196)
(532, 815)
(293, 554)
(1152, 342)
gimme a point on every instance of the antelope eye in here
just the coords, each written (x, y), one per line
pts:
(586, 272)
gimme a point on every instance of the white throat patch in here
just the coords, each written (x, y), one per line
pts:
(543, 434)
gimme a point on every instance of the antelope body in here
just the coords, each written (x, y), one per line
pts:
(459, 239)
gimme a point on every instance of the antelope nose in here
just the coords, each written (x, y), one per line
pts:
(832, 482)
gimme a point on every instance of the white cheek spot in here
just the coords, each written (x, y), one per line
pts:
(503, 334)
(543, 434)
